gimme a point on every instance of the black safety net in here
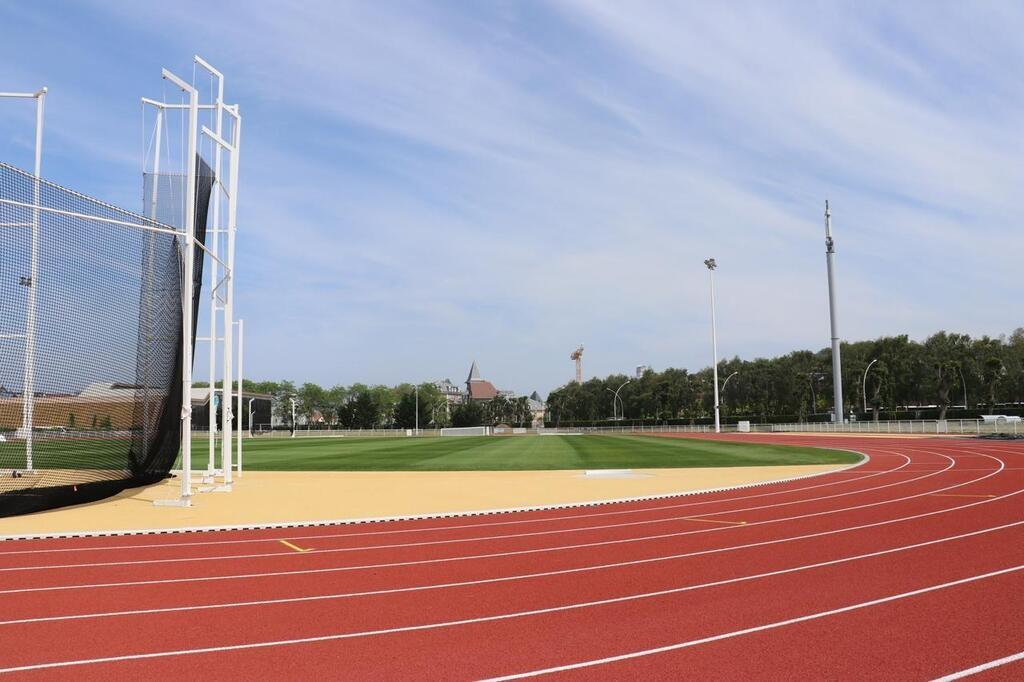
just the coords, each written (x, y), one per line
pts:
(90, 338)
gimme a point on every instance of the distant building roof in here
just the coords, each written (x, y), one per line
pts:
(481, 390)
(474, 373)
(536, 396)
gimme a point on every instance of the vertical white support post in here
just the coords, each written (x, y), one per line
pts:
(154, 194)
(229, 294)
(215, 248)
(837, 377)
(29, 390)
(241, 381)
(187, 290)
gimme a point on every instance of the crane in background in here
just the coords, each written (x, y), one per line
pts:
(577, 355)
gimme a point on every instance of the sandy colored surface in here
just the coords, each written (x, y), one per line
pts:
(279, 497)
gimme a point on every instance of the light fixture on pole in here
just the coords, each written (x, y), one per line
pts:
(864, 384)
(293, 416)
(711, 265)
(726, 382)
(837, 366)
(963, 382)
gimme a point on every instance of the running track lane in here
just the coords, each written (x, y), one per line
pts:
(909, 566)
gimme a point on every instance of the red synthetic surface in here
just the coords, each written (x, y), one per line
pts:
(910, 566)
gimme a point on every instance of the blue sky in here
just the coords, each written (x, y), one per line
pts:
(428, 183)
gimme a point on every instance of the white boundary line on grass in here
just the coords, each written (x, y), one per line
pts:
(419, 517)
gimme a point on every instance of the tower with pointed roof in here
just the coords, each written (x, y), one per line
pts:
(477, 388)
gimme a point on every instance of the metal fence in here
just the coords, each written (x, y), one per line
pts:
(969, 427)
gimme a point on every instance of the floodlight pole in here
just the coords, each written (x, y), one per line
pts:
(837, 365)
(29, 390)
(187, 292)
(864, 384)
(711, 265)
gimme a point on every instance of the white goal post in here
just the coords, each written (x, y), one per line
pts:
(467, 431)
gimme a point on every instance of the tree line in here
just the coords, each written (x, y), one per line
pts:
(362, 406)
(946, 375)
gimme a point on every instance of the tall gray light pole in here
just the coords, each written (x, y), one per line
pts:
(837, 365)
(711, 265)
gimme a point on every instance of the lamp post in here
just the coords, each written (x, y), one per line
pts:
(837, 367)
(293, 416)
(726, 382)
(963, 382)
(417, 391)
(616, 399)
(864, 384)
(711, 265)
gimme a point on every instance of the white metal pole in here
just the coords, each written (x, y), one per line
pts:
(293, 417)
(241, 356)
(864, 384)
(215, 248)
(714, 339)
(29, 390)
(154, 193)
(187, 290)
(229, 288)
(837, 369)
(417, 389)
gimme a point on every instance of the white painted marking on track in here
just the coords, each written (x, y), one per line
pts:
(159, 545)
(580, 529)
(520, 552)
(504, 554)
(525, 576)
(982, 668)
(509, 616)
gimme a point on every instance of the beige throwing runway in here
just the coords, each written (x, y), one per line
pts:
(295, 497)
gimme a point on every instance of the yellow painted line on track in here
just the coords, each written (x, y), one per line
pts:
(296, 548)
(730, 523)
(953, 495)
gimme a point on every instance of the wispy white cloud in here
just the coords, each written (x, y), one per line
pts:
(426, 183)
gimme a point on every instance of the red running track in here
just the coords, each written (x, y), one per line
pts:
(909, 566)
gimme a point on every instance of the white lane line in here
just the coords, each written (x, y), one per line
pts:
(981, 668)
(159, 545)
(557, 531)
(512, 578)
(509, 616)
(339, 569)
(497, 554)
(747, 631)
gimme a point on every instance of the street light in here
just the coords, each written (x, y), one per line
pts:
(864, 384)
(963, 382)
(711, 265)
(293, 416)
(617, 399)
(726, 382)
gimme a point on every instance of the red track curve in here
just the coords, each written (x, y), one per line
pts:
(910, 566)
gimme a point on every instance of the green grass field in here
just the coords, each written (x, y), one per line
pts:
(517, 453)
